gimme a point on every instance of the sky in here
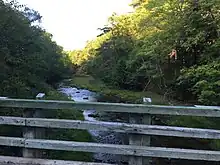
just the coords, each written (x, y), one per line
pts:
(73, 22)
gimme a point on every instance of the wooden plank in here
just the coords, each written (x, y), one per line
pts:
(146, 140)
(28, 133)
(124, 149)
(138, 140)
(135, 139)
(3, 97)
(11, 141)
(113, 127)
(39, 132)
(17, 121)
(113, 107)
(114, 149)
(6, 160)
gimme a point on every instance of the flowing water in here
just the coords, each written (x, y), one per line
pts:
(82, 95)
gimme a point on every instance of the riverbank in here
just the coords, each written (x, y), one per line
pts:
(84, 95)
(112, 94)
(88, 82)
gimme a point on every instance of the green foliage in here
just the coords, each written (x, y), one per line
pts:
(52, 134)
(133, 51)
(202, 82)
(112, 94)
(31, 62)
(29, 59)
(67, 134)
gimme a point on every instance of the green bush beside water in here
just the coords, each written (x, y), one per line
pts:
(108, 93)
(128, 96)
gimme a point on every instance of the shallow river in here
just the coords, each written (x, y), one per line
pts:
(82, 95)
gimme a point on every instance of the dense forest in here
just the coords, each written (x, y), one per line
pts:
(167, 46)
(30, 60)
(170, 47)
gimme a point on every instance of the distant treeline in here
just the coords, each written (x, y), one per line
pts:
(170, 47)
(29, 59)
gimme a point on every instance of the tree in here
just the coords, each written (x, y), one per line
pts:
(133, 51)
(29, 59)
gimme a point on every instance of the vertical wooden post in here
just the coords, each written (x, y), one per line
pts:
(39, 132)
(31, 133)
(141, 140)
(28, 133)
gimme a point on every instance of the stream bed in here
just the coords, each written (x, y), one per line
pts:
(82, 95)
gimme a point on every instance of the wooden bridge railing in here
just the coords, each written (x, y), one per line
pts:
(138, 149)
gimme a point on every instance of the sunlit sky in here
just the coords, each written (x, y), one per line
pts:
(73, 22)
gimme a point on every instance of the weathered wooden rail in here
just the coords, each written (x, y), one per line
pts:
(139, 129)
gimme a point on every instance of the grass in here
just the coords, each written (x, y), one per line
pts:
(88, 82)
